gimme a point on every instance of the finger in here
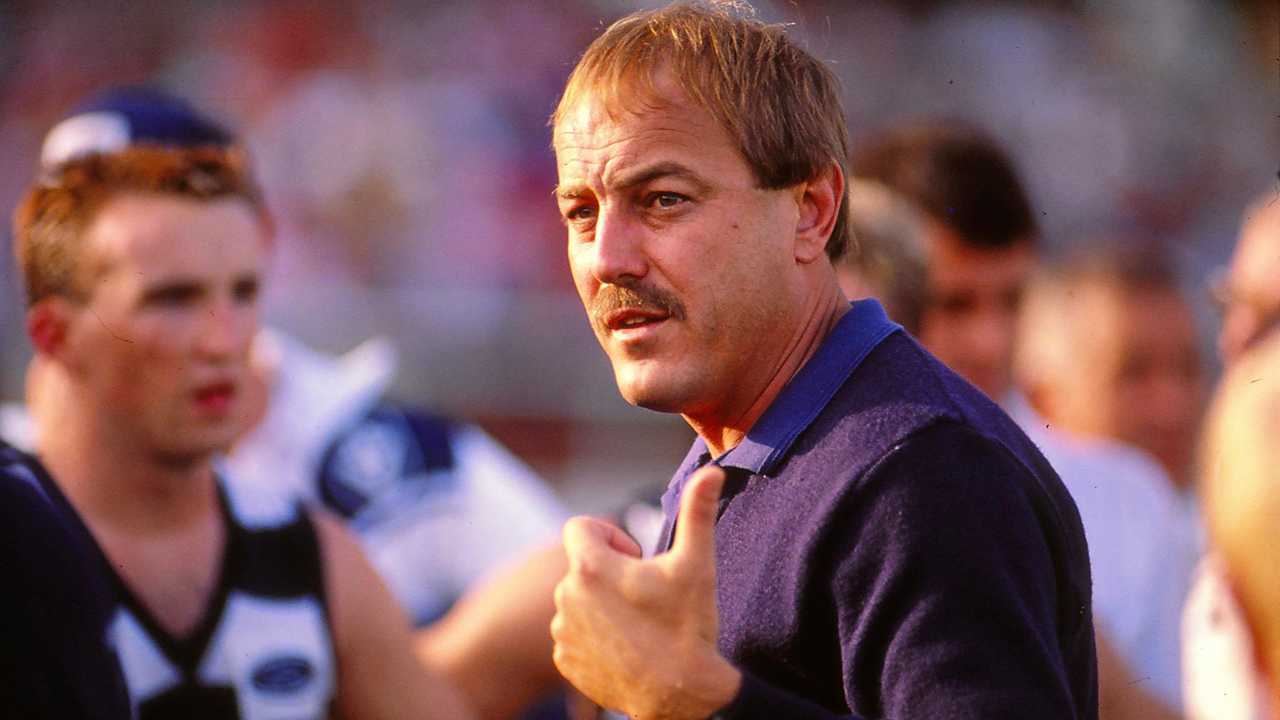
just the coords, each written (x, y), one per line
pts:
(617, 538)
(595, 547)
(696, 523)
(621, 541)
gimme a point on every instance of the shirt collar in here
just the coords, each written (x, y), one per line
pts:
(801, 400)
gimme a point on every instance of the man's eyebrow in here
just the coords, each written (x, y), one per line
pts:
(567, 193)
(645, 175)
(170, 288)
(636, 178)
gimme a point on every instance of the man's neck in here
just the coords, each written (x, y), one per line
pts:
(816, 322)
(115, 485)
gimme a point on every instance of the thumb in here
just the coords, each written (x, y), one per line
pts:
(696, 523)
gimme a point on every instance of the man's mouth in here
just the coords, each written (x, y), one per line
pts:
(631, 313)
(631, 319)
(215, 397)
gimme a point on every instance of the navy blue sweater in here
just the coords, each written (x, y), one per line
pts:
(890, 545)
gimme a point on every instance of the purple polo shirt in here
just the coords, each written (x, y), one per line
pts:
(890, 545)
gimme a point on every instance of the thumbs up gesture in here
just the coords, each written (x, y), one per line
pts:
(639, 636)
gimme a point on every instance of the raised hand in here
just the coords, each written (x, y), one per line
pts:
(639, 636)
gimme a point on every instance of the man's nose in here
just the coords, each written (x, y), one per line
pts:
(226, 331)
(619, 248)
(991, 337)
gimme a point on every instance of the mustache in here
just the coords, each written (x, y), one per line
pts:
(633, 297)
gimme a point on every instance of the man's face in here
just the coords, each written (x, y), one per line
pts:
(685, 267)
(1139, 376)
(970, 318)
(161, 343)
(1252, 292)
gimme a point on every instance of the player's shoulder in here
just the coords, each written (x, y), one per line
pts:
(391, 451)
(10, 456)
(21, 476)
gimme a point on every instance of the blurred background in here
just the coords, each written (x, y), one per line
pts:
(404, 147)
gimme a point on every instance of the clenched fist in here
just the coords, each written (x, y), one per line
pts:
(639, 636)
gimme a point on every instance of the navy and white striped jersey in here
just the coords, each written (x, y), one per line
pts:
(54, 658)
(436, 503)
(263, 649)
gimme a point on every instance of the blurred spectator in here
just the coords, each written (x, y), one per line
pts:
(1241, 485)
(980, 248)
(403, 478)
(437, 504)
(1219, 658)
(979, 235)
(1109, 348)
(1249, 291)
(141, 268)
(886, 257)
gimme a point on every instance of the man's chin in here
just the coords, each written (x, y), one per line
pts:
(655, 404)
(649, 392)
(201, 445)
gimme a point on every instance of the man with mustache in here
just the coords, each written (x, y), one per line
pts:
(141, 271)
(856, 532)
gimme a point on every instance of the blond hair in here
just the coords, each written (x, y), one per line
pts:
(1241, 493)
(779, 103)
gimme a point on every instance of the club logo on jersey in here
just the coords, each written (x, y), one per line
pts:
(389, 460)
(283, 674)
(373, 457)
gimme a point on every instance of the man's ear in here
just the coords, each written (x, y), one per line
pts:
(48, 323)
(820, 202)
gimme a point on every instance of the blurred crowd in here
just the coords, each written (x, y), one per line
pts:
(404, 152)
(404, 148)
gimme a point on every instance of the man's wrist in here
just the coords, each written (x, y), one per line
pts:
(713, 688)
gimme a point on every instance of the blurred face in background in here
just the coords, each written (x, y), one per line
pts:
(1241, 499)
(1137, 375)
(970, 317)
(1250, 291)
(159, 346)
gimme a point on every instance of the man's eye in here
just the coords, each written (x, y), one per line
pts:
(957, 304)
(580, 213)
(666, 199)
(245, 290)
(173, 295)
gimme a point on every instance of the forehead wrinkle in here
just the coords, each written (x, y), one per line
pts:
(163, 280)
(614, 137)
(634, 127)
(628, 169)
(656, 171)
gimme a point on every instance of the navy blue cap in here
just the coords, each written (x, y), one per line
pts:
(125, 116)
